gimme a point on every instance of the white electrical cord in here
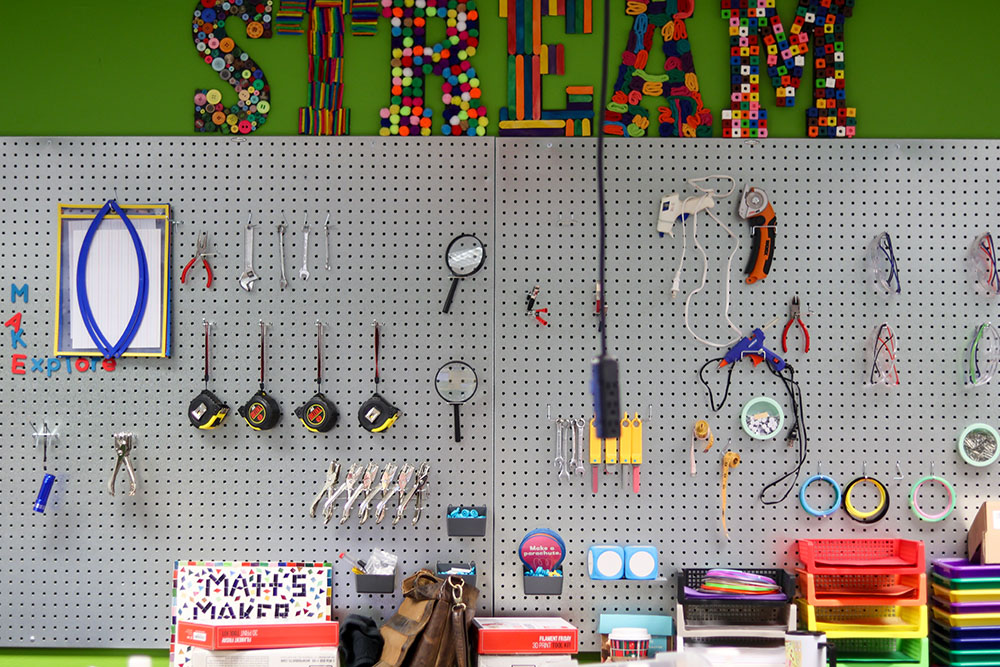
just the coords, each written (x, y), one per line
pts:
(705, 202)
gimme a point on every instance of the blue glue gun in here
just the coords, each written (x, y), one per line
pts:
(753, 346)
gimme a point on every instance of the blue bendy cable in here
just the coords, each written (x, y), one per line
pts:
(142, 297)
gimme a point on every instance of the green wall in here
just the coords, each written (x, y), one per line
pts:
(96, 67)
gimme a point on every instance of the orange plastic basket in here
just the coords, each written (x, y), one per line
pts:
(862, 556)
(850, 589)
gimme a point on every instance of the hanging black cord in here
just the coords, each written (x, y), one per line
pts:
(600, 178)
(729, 381)
(798, 429)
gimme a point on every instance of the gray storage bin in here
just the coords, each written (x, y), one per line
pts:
(458, 527)
(469, 579)
(542, 585)
(375, 583)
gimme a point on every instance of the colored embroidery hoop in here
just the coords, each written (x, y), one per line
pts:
(874, 515)
(925, 516)
(809, 509)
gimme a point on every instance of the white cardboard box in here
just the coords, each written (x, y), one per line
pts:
(322, 656)
(521, 660)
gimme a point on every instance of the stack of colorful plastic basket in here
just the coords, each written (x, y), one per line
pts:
(966, 610)
(870, 598)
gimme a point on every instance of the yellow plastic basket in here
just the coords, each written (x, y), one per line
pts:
(984, 595)
(864, 622)
(964, 620)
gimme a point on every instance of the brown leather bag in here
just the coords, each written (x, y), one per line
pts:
(431, 627)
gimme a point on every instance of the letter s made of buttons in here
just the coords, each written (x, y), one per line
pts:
(235, 67)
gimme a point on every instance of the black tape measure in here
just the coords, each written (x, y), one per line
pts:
(377, 414)
(207, 411)
(261, 412)
(318, 415)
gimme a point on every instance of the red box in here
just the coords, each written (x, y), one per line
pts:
(515, 636)
(217, 637)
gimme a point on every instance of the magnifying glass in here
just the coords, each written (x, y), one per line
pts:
(464, 257)
(456, 383)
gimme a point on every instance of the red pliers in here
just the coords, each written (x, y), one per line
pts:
(794, 316)
(200, 253)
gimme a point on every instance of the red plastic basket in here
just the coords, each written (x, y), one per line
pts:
(850, 589)
(862, 556)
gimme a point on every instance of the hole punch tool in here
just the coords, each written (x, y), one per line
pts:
(124, 443)
(201, 252)
(248, 277)
(366, 484)
(420, 482)
(757, 210)
(384, 485)
(421, 489)
(377, 414)
(207, 410)
(332, 476)
(261, 412)
(794, 315)
(346, 488)
(319, 414)
(405, 473)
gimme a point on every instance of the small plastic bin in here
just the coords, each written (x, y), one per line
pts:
(706, 620)
(964, 620)
(469, 579)
(835, 590)
(886, 652)
(693, 577)
(976, 584)
(375, 583)
(874, 622)
(982, 633)
(984, 642)
(948, 595)
(862, 556)
(762, 404)
(542, 585)
(967, 607)
(961, 568)
(964, 658)
(459, 527)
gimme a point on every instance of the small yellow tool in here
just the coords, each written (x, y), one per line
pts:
(595, 453)
(729, 461)
(610, 452)
(702, 431)
(636, 451)
(625, 446)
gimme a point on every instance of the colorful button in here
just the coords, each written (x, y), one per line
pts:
(263, 106)
(226, 44)
(254, 30)
(213, 96)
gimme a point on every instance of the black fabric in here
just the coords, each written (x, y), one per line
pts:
(360, 642)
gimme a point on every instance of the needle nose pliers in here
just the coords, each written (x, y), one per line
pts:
(201, 252)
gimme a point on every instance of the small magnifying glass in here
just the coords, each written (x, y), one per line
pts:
(456, 383)
(465, 256)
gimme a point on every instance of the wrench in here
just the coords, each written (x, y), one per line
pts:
(281, 250)
(304, 272)
(581, 429)
(559, 463)
(248, 277)
(326, 226)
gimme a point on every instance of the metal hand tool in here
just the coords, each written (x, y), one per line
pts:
(366, 484)
(281, 250)
(566, 426)
(326, 227)
(123, 449)
(581, 439)
(794, 315)
(559, 462)
(400, 487)
(353, 473)
(248, 277)
(332, 475)
(757, 210)
(421, 488)
(387, 476)
(421, 480)
(569, 437)
(201, 252)
(304, 271)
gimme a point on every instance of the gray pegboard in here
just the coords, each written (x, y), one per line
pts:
(831, 199)
(94, 570)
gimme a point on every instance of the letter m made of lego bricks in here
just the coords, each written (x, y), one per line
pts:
(758, 42)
